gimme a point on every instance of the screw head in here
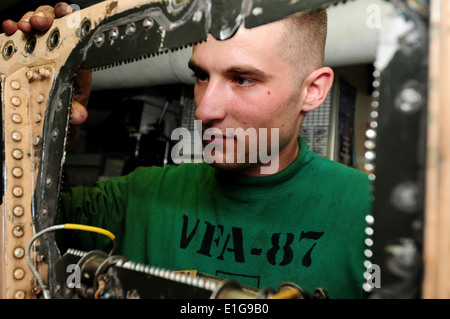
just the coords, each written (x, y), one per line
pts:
(17, 154)
(18, 231)
(99, 39)
(16, 136)
(18, 211)
(148, 23)
(130, 29)
(114, 33)
(16, 118)
(15, 85)
(17, 191)
(17, 172)
(19, 252)
(19, 273)
(15, 101)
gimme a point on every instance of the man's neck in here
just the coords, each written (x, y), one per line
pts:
(285, 157)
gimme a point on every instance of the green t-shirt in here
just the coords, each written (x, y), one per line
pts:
(305, 224)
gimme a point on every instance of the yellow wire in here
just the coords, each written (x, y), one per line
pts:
(91, 229)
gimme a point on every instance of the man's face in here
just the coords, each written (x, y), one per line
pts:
(244, 83)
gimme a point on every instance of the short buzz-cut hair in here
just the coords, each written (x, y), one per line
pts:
(304, 40)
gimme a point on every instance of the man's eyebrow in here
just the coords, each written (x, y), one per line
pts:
(194, 66)
(242, 70)
(247, 70)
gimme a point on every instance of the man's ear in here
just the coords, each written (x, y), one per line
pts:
(316, 87)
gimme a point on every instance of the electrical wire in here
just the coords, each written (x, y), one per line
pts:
(33, 269)
(102, 231)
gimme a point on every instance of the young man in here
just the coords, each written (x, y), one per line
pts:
(302, 223)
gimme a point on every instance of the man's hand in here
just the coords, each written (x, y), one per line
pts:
(81, 91)
(41, 20)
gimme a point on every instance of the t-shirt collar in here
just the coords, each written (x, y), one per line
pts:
(234, 182)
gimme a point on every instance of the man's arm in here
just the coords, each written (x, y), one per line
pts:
(41, 20)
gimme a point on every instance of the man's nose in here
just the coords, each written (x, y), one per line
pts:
(210, 102)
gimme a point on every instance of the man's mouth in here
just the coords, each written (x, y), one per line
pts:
(216, 139)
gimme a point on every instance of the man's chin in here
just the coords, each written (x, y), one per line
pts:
(233, 167)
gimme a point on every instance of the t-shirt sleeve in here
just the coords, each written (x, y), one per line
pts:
(103, 205)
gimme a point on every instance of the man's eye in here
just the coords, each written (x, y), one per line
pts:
(243, 81)
(201, 77)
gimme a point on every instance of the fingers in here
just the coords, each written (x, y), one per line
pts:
(62, 9)
(78, 114)
(39, 20)
(82, 86)
(9, 27)
(42, 18)
(82, 90)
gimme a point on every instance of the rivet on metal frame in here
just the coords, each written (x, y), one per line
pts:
(148, 23)
(59, 105)
(16, 136)
(197, 16)
(99, 39)
(40, 98)
(114, 33)
(15, 85)
(411, 41)
(19, 252)
(17, 172)
(15, 101)
(130, 29)
(31, 75)
(37, 141)
(18, 231)
(16, 118)
(17, 191)
(43, 73)
(19, 294)
(18, 211)
(17, 154)
(54, 134)
(19, 274)
(409, 100)
(405, 196)
(257, 11)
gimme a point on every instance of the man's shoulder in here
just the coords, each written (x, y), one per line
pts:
(337, 178)
(336, 169)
